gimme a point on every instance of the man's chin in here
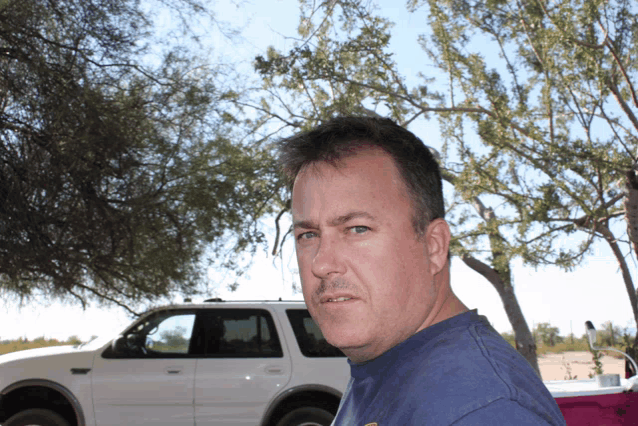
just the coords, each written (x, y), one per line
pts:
(359, 354)
(346, 343)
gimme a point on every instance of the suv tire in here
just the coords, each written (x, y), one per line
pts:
(307, 416)
(37, 417)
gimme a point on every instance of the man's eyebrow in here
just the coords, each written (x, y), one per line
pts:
(305, 224)
(350, 216)
(308, 224)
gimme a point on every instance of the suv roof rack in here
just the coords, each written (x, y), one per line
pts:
(219, 299)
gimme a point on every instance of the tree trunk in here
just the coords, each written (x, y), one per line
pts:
(626, 275)
(631, 217)
(525, 343)
(631, 209)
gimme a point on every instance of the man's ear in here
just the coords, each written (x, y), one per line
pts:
(437, 240)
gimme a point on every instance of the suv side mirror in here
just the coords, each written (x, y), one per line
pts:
(119, 346)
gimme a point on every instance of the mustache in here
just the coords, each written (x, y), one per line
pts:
(336, 284)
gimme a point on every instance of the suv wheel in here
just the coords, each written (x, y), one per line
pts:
(307, 416)
(36, 417)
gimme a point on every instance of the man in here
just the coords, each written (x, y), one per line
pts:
(372, 247)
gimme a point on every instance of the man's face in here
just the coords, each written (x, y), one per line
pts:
(367, 279)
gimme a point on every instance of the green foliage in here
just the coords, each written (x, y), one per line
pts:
(538, 108)
(547, 335)
(609, 334)
(119, 164)
(8, 346)
(598, 365)
(564, 346)
(562, 343)
(73, 340)
(172, 339)
(339, 74)
(530, 120)
(535, 101)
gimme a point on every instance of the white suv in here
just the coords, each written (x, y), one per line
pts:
(216, 363)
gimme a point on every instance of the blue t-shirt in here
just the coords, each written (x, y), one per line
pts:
(456, 372)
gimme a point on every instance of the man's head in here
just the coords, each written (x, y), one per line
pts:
(345, 136)
(370, 237)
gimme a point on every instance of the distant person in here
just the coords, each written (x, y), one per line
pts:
(372, 247)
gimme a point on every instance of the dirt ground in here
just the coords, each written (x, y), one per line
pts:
(554, 366)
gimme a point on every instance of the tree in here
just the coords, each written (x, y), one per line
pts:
(547, 334)
(173, 339)
(356, 75)
(73, 340)
(537, 115)
(119, 164)
(609, 334)
(561, 106)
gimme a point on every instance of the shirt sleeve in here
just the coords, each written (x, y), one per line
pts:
(505, 412)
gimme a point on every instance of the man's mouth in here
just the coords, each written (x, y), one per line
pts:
(335, 298)
(340, 299)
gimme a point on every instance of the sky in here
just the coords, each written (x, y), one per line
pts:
(594, 291)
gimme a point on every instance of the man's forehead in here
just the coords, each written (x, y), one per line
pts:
(361, 188)
(318, 169)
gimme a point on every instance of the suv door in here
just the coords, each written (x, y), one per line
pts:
(149, 378)
(243, 368)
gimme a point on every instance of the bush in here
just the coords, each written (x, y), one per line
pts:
(564, 346)
(8, 346)
(73, 340)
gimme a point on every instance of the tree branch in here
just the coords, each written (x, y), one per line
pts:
(610, 46)
(484, 269)
(623, 105)
(110, 299)
(281, 213)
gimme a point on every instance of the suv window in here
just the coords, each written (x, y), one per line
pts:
(165, 334)
(309, 336)
(240, 333)
(172, 335)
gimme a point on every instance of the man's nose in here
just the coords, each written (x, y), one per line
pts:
(328, 258)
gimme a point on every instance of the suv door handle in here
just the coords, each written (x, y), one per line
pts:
(173, 370)
(274, 370)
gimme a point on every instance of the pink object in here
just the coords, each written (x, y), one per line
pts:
(605, 399)
(598, 410)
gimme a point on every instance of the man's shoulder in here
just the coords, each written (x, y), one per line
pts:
(462, 370)
(468, 346)
(469, 367)
(456, 348)
(503, 411)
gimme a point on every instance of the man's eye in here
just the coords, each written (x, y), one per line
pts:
(359, 229)
(306, 236)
